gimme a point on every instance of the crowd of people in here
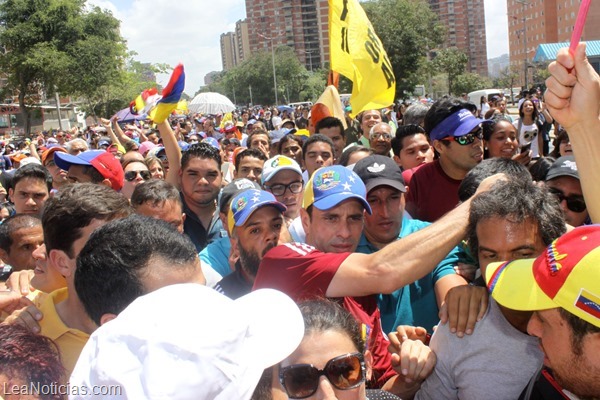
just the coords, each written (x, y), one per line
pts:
(428, 252)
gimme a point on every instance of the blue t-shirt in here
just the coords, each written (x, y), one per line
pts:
(415, 304)
(216, 254)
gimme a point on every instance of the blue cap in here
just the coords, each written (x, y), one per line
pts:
(212, 141)
(458, 124)
(245, 203)
(329, 186)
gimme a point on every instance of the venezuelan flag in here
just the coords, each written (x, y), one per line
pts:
(170, 96)
(144, 102)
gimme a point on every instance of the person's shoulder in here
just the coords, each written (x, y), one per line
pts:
(287, 250)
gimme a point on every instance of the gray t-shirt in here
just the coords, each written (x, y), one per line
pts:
(495, 362)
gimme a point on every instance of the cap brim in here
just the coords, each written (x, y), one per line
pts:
(373, 183)
(335, 199)
(468, 126)
(65, 160)
(513, 285)
(243, 218)
(563, 172)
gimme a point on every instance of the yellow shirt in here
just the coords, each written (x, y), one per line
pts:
(70, 342)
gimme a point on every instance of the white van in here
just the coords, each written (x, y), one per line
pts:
(301, 103)
(475, 97)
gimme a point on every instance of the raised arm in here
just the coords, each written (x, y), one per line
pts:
(573, 99)
(173, 152)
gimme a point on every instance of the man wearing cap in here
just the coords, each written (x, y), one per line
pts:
(59, 176)
(457, 138)
(562, 181)
(95, 166)
(332, 217)
(282, 177)
(562, 289)
(418, 303)
(217, 254)
(317, 152)
(255, 220)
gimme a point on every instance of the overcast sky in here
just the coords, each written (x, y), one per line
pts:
(168, 31)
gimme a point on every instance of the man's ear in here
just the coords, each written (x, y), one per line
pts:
(305, 218)
(369, 364)
(107, 182)
(397, 160)
(4, 256)
(107, 317)
(62, 262)
(10, 194)
(438, 146)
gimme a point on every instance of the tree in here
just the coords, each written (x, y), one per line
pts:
(57, 45)
(252, 80)
(469, 82)
(408, 29)
(452, 62)
(509, 76)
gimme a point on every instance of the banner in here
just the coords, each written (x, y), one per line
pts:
(357, 53)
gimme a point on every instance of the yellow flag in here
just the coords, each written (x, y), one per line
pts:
(357, 53)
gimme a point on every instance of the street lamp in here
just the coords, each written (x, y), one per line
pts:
(525, 3)
(271, 38)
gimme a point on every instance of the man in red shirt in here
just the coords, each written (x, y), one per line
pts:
(332, 217)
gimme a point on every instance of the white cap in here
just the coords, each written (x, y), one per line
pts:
(188, 341)
(278, 163)
(29, 160)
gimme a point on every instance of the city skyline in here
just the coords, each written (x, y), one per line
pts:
(162, 31)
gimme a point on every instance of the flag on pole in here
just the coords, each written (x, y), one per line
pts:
(159, 107)
(357, 53)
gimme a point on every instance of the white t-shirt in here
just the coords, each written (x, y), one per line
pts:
(529, 134)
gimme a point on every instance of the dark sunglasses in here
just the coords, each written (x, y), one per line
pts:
(279, 188)
(131, 175)
(575, 203)
(344, 372)
(466, 139)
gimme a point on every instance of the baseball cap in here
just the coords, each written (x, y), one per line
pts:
(145, 147)
(212, 141)
(563, 166)
(233, 188)
(221, 353)
(457, 124)
(48, 153)
(329, 186)
(29, 160)
(246, 202)
(278, 163)
(103, 143)
(377, 170)
(103, 161)
(565, 275)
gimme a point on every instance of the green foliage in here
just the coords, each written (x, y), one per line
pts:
(469, 82)
(55, 45)
(452, 62)
(408, 29)
(252, 81)
(508, 78)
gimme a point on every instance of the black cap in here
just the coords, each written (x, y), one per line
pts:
(233, 188)
(377, 170)
(564, 166)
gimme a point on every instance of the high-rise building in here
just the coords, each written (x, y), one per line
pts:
(533, 22)
(465, 22)
(242, 41)
(300, 24)
(228, 50)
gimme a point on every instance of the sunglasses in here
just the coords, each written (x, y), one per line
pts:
(131, 175)
(575, 203)
(279, 189)
(344, 372)
(466, 139)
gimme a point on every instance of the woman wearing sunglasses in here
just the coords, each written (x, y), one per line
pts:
(331, 361)
(136, 172)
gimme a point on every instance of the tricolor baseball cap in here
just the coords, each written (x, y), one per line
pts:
(278, 163)
(457, 124)
(245, 203)
(329, 186)
(565, 275)
(103, 161)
